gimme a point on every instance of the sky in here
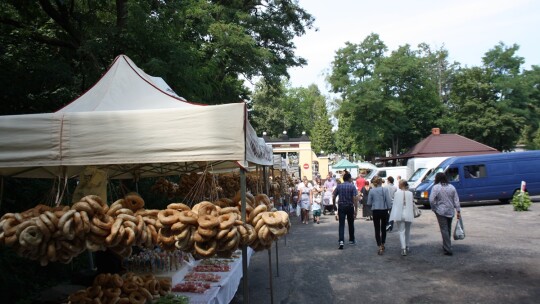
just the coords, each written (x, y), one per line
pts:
(466, 28)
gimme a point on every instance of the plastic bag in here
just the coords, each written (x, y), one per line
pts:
(417, 212)
(459, 231)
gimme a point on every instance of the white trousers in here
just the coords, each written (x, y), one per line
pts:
(404, 229)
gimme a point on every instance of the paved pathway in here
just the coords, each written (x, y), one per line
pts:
(498, 262)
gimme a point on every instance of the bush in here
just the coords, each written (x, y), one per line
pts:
(521, 201)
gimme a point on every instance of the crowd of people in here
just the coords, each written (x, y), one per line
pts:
(379, 201)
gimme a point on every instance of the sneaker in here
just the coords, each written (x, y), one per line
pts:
(340, 245)
(403, 252)
(408, 249)
(352, 242)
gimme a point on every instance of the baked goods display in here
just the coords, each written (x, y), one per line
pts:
(207, 186)
(128, 288)
(155, 261)
(50, 234)
(193, 276)
(194, 287)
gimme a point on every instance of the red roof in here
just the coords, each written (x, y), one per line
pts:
(447, 145)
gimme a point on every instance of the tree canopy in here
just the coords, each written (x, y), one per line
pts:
(55, 50)
(392, 100)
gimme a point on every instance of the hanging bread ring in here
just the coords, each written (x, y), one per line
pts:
(206, 207)
(178, 206)
(133, 201)
(188, 217)
(229, 210)
(208, 221)
(83, 206)
(168, 217)
(31, 235)
(206, 249)
(271, 218)
(95, 202)
(256, 211)
(129, 287)
(207, 233)
(284, 217)
(103, 221)
(278, 230)
(226, 221)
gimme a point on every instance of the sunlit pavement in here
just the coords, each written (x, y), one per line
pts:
(498, 262)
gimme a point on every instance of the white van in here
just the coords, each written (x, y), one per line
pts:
(385, 172)
(421, 168)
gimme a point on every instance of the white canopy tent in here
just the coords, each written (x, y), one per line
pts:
(132, 125)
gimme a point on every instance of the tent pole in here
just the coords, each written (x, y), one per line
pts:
(270, 275)
(277, 260)
(244, 247)
(1, 190)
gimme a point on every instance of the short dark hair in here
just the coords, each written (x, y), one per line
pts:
(440, 178)
(347, 176)
(390, 180)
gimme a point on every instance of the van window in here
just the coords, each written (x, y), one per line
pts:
(474, 171)
(452, 175)
(382, 174)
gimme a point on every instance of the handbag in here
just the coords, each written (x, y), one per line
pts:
(416, 211)
(459, 231)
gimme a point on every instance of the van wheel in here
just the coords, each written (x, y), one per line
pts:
(426, 206)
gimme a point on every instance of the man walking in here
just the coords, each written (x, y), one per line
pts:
(348, 207)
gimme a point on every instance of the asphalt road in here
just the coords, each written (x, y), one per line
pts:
(498, 262)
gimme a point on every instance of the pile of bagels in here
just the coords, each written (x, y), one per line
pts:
(51, 234)
(128, 288)
(209, 229)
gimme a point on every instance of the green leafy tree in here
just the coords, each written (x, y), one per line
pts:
(322, 138)
(56, 50)
(475, 111)
(284, 108)
(382, 95)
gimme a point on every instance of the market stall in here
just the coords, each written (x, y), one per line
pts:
(131, 125)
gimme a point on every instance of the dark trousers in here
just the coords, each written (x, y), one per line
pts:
(380, 219)
(346, 211)
(445, 225)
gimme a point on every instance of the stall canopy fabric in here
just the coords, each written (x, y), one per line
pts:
(132, 125)
(344, 164)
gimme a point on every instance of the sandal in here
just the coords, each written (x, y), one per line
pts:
(381, 250)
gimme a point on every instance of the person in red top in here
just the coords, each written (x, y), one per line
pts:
(360, 181)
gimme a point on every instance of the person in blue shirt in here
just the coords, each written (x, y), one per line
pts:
(347, 207)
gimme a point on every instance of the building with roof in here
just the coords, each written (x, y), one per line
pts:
(439, 145)
(301, 159)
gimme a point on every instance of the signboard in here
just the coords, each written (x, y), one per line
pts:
(277, 162)
(306, 166)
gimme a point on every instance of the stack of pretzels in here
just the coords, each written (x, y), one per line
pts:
(205, 230)
(58, 234)
(129, 289)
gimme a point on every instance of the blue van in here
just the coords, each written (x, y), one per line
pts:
(486, 177)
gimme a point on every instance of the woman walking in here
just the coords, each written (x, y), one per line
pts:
(366, 210)
(402, 214)
(443, 200)
(380, 202)
(305, 194)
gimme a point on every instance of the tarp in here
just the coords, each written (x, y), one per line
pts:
(128, 124)
(344, 164)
